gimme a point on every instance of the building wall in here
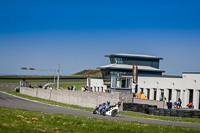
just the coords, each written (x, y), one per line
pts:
(183, 85)
(97, 85)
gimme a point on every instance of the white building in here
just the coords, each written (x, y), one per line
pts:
(118, 77)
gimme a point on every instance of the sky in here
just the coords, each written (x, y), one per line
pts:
(77, 34)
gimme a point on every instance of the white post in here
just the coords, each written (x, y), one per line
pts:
(195, 98)
(58, 76)
(158, 94)
(166, 94)
(151, 94)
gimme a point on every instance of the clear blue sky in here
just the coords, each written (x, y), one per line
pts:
(77, 34)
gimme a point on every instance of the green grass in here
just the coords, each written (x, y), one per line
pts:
(142, 115)
(122, 113)
(41, 80)
(91, 73)
(78, 86)
(46, 101)
(23, 121)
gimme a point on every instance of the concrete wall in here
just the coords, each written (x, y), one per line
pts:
(84, 99)
(160, 104)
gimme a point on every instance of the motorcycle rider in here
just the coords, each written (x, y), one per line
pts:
(108, 104)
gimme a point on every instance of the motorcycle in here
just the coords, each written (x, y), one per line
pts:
(110, 111)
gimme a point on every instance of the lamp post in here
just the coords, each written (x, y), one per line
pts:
(57, 71)
(58, 76)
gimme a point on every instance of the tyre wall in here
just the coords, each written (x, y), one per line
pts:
(154, 110)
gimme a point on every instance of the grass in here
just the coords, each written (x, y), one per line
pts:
(92, 73)
(46, 101)
(78, 86)
(23, 121)
(41, 80)
(142, 115)
(122, 113)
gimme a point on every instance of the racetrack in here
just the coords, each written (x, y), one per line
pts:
(7, 100)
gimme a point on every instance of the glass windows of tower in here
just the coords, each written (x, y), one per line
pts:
(118, 60)
(113, 73)
(121, 82)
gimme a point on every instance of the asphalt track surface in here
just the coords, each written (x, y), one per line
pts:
(7, 100)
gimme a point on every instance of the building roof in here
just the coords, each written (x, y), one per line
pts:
(134, 56)
(129, 67)
(190, 72)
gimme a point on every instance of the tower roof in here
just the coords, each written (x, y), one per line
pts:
(133, 56)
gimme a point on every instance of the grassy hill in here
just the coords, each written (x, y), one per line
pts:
(91, 73)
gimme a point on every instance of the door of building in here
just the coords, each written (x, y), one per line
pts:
(123, 83)
(170, 94)
(155, 93)
(190, 96)
(199, 99)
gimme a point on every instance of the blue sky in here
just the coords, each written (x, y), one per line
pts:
(77, 34)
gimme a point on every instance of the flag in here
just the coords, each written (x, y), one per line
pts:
(135, 73)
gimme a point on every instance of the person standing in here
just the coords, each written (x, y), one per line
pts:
(74, 89)
(180, 102)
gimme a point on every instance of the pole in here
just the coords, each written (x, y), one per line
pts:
(58, 76)
(89, 83)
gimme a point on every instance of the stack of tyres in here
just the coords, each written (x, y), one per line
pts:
(139, 107)
(129, 106)
(161, 112)
(166, 112)
(124, 106)
(145, 108)
(156, 112)
(187, 113)
(195, 114)
(180, 113)
(151, 110)
(173, 112)
(134, 109)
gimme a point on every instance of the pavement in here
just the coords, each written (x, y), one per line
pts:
(7, 100)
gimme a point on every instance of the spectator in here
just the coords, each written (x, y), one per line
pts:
(68, 88)
(180, 102)
(143, 96)
(74, 89)
(139, 95)
(40, 86)
(86, 89)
